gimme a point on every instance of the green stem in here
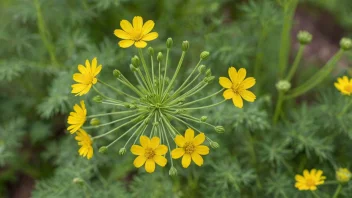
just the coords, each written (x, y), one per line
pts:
(278, 107)
(195, 101)
(345, 108)
(165, 71)
(145, 68)
(202, 107)
(295, 63)
(130, 129)
(338, 190)
(112, 113)
(251, 150)
(112, 122)
(315, 194)
(116, 90)
(259, 55)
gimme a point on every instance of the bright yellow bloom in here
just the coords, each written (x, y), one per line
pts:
(77, 118)
(136, 34)
(344, 85)
(85, 142)
(343, 175)
(309, 181)
(149, 153)
(236, 88)
(86, 78)
(190, 148)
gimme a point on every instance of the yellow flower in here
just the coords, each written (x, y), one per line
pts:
(309, 181)
(344, 85)
(136, 34)
(190, 148)
(85, 142)
(149, 153)
(77, 118)
(236, 88)
(86, 78)
(343, 175)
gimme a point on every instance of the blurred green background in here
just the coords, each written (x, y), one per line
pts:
(42, 42)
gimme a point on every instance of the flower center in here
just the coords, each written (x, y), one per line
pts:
(189, 147)
(149, 153)
(310, 182)
(235, 87)
(348, 88)
(136, 35)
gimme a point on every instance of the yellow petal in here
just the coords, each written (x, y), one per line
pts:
(197, 159)
(126, 43)
(140, 44)
(144, 140)
(154, 142)
(82, 69)
(313, 171)
(228, 94)
(247, 95)
(237, 101)
(94, 64)
(186, 160)
(97, 70)
(199, 139)
(150, 36)
(180, 140)
(225, 82)
(306, 173)
(232, 74)
(80, 78)
(177, 153)
(139, 161)
(90, 153)
(241, 75)
(126, 26)
(189, 135)
(319, 173)
(300, 178)
(202, 150)
(137, 23)
(147, 27)
(160, 160)
(161, 150)
(88, 66)
(248, 83)
(150, 166)
(77, 88)
(137, 150)
(122, 34)
(313, 188)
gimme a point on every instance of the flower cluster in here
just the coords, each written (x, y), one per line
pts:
(150, 110)
(344, 85)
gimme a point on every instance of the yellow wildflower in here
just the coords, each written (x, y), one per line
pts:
(136, 34)
(86, 78)
(85, 142)
(344, 85)
(309, 181)
(77, 118)
(343, 175)
(236, 88)
(190, 148)
(149, 153)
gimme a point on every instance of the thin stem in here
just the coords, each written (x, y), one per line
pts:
(338, 190)
(126, 82)
(152, 63)
(112, 113)
(168, 144)
(116, 90)
(195, 101)
(202, 107)
(112, 122)
(165, 71)
(315, 194)
(196, 88)
(345, 108)
(145, 68)
(117, 139)
(296, 62)
(143, 79)
(259, 54)
(278, 107)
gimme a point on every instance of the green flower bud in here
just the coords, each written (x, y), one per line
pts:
(204, 55)
(160, 57)
(181, 101)
(135, 61)
(203, 118)
(173, 171)
(343, 175)
(133, 68)
(78, 180)
(304, 37)
(98, 99)
(151, 51)
(185, 46)
(283, 85)
(94, 121)
(208, 72)
(219, 129)
(122, 151)
(116, 73)
(103, 149)
(202, 69)
(169, 43)
(345, 44)
(214, 145)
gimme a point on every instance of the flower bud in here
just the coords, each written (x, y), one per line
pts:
(214, 145)
(116, 73)
(135, 61)
(283, 85)
(201, 69)
(151, 51)
(185, 46)
(160, 57)
(94, 121)
(203, 118)
(122, 151)
(156, 123)
(169, 43)
(181, 101)
(343, 175)
(304, 37)
(345, 44)
(103, 149)
(77, 180)
(133, 68)
(180, 111)
(219, 129)
(204, 55)
(173, 171)
(208, 72)
(98, 99)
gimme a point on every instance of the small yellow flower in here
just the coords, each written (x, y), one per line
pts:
(85, 142)
(136, 34)
(309, 181)
(236, 88)
(344, 85)
(190, 148)
(86, 78)
(77, 118)
(149, 153)
(343, 175)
